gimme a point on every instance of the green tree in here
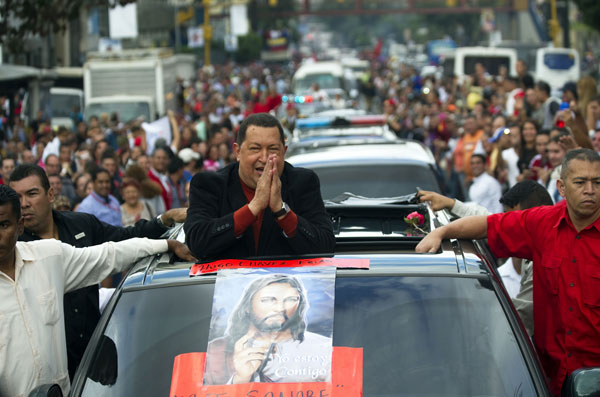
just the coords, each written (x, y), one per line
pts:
(249, 47)
(23, 18)
(590, 12)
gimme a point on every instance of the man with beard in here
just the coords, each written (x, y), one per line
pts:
(266, 338)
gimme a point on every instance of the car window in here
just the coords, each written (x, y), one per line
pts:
(379, 180)
(420, 336)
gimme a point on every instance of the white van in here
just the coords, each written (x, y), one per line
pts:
(63, 101)
(556, 66)
(330, 76)
(492, 58)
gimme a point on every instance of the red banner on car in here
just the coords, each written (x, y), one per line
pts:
(346, 379)
(346, 263)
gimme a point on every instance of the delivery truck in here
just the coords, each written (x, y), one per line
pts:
(136, 84)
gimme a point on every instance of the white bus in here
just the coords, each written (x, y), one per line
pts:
(556, 66)
(492, 58)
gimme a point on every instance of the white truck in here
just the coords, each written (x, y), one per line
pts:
(136, 84)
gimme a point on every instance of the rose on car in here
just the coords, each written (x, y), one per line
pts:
(415, 220)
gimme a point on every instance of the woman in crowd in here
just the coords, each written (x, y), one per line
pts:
(527, 151)
(80, 184)
(133, 209)
(212, 162)
(150, 191)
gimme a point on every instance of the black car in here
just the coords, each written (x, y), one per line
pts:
(428, 324)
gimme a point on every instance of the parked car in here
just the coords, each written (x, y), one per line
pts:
(428, 324)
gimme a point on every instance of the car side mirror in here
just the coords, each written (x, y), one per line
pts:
(46, 391)
(582, 382)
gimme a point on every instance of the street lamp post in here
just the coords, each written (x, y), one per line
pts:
(207, 32)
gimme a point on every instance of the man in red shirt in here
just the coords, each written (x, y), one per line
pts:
(562, 240)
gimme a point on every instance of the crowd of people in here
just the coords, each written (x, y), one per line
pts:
(489, 135)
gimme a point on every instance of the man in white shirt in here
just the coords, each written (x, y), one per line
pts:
(33, 279)
(510, 154)
(485, 189)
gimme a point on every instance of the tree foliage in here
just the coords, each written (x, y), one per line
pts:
(590, 12)
(248, 47)
(24, 18)
(355, 31)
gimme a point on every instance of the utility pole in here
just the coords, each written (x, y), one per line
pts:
(177, 33)
(553, 25)
(207, 32)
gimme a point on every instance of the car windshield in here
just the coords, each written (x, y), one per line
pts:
(559, 61)
(325, 81)
(381, 180)
(62, 105)
(491, 64)
(420, 336)
(127, 111)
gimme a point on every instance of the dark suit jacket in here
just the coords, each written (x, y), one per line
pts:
(215, 196)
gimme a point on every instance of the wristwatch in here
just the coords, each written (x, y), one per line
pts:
(160, 220)
(284, 210)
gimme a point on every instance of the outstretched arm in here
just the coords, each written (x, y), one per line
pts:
(472, 227)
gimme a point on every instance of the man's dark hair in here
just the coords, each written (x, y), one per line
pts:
(528, 81)
(165, 148)
(259, 120)
(99, 170)
(109, 153)
(9, 157)
(97, 143)
(241, 317)
(527, 194)
(9, 196)
(543, 86)
(136, 128)
(588, 155)
(175, 165)
(26, 170)
(561, 132)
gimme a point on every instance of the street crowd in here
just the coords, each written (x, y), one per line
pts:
(487, 133)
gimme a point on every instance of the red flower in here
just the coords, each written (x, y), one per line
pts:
(415, 219)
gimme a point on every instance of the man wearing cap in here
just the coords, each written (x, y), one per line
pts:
(190, 159)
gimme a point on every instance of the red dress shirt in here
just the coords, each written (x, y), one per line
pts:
(566, 284)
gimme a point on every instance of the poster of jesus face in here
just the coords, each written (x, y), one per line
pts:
(271, 325)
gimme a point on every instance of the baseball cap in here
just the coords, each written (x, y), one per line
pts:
(187, 155)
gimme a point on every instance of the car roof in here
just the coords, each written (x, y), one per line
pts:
(376, 238)
(359, 150)
(325, 67)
